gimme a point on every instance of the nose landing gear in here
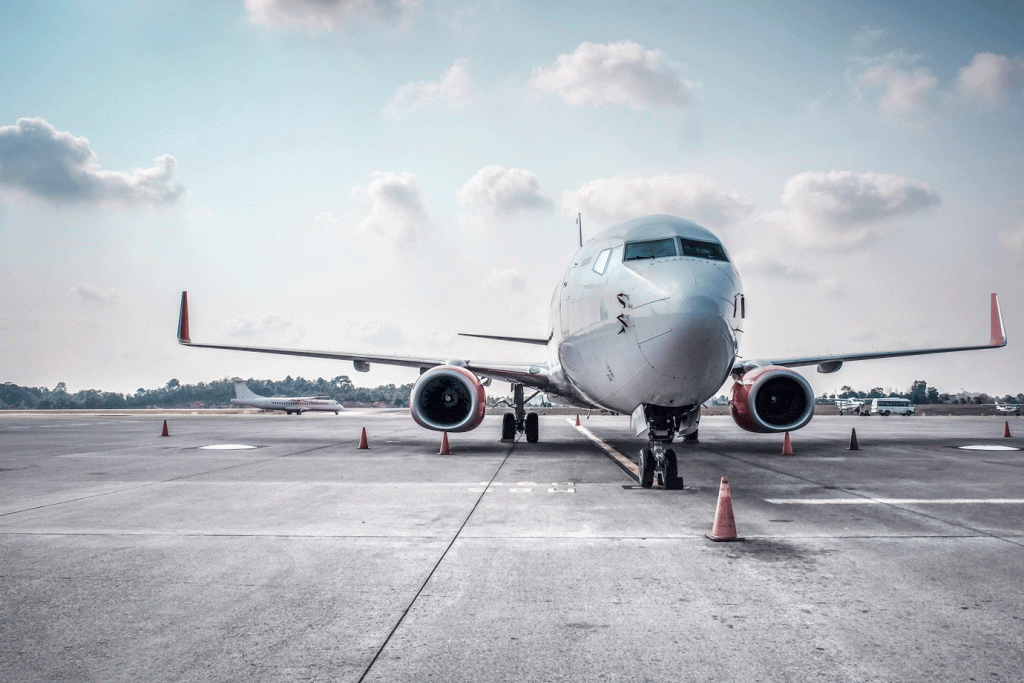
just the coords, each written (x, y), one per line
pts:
(520, 421)
(658, 462)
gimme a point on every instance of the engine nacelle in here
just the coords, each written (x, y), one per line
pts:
(448, 398)
(772, 399)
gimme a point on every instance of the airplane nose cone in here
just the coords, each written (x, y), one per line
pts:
(687, 339)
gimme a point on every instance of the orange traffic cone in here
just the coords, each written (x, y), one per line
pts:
(1006, 429)
(853, 440)
(362, 440)
(787, 445)
(444, 446)
(577, 420)
(725, 524)
(164, 433)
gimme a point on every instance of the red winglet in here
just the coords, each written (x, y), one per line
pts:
(183, 337)
(998, 333)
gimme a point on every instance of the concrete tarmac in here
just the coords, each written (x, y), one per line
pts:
(127, 556)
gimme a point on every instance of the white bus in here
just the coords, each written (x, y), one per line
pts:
(888, 406)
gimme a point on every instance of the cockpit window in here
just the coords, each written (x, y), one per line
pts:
(706, 250)
(650, 249)
(602, 261)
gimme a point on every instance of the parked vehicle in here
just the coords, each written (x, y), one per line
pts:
(888, 406)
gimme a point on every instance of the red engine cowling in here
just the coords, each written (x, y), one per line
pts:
(772, 399)
(448, 398)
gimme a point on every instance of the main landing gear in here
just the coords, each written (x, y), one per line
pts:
(520, 421)
(656, 461)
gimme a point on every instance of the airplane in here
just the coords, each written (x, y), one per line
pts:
(645, 322)
(289, 404)
(848, 404)
(1008, 408)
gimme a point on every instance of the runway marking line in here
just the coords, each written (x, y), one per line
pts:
(896, 501)
(623, 461)
(557, 487)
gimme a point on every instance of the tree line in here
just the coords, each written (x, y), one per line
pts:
(922, 394)
(216, 394)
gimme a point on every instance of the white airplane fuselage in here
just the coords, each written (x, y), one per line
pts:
(244, 396)
(291, 405)
(653, 330)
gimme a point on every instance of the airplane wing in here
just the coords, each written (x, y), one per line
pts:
(532, 375)
(827, 364)
(519, 340)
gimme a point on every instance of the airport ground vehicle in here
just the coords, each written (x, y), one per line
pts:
(888, 406)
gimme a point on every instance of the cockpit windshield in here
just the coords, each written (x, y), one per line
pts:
(650, 249)
(705, 250)
(669, 246)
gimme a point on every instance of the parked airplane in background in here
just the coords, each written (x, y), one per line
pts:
(1008, 408)
(289, 404)
(849, 405)
(645, 322)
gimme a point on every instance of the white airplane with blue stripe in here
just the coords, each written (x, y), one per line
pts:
(646, 322)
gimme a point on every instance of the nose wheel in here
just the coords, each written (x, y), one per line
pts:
(520, 421)
(659, 463)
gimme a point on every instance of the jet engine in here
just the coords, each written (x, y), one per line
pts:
(448, 398)
(772, 399)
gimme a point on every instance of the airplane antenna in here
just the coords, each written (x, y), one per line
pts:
(579, 222)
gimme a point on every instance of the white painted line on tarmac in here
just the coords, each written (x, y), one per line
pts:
(618, 457)
(896, 501)
(226, 447)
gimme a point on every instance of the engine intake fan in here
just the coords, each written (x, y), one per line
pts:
(448, 398)
(772, 399)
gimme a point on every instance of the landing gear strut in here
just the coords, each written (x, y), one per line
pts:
(520, 421)
(656, 461)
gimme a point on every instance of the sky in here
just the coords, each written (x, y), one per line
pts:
(371, 176)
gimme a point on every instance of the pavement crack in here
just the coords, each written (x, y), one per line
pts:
(437, 564)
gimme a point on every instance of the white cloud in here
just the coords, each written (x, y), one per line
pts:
(398, 209)
(455, 89)
(617, 73)
(866, 37)
(330, 15)
(40, 161)
(840, 209)
(503, 193)
(988, 80)
(688, 195)
(907, 90)
(509, 279)
(383, 336)
(87, 292)
(267, 328)
(1012, 240)
(758, 261)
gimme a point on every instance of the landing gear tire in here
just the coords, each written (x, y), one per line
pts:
(673, 482)
(691, 438)
(646, 468)
(532, 427)
(508, 427)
